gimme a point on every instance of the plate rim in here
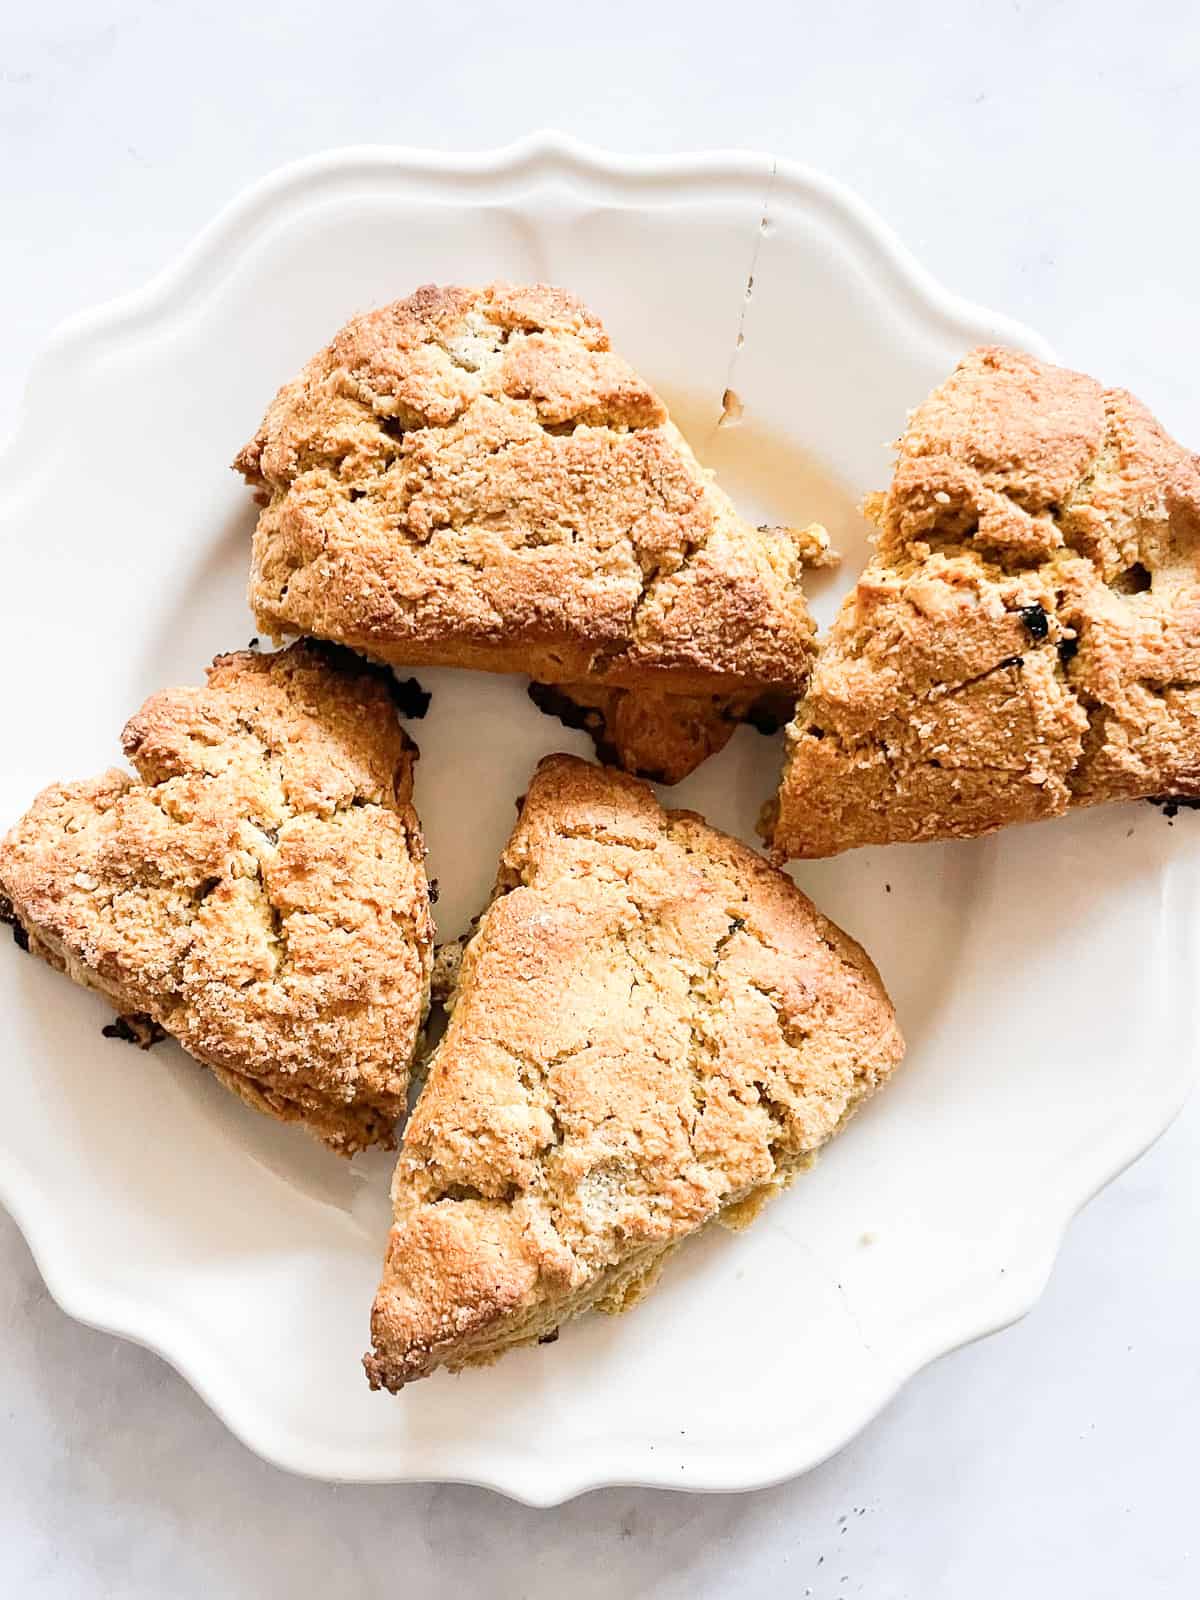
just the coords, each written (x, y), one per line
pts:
(542, 156)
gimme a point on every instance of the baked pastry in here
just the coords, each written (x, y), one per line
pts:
(258, 891)
(1027, 635)
(471, 477)
(650, 1029)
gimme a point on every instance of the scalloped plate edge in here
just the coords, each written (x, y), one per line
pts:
(544, 157)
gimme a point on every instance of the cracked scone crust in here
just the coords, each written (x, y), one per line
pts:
(471, 477)
(258, 890)
(1027, 636)
(651, 1028)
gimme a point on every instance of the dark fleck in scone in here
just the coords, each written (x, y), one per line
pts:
(258, 891)
(651, 1029)
(471, 477)
(1027, 635)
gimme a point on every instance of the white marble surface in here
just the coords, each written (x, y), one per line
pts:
(1039, 158)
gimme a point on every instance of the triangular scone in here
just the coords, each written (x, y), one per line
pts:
(470, 477)
(651, 1028)
(259, 892)
(1027, 636)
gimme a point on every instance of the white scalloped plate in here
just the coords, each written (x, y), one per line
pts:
(1045, 979)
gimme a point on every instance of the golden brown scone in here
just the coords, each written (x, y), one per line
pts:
(260, 892)
(471, 477)
(1027, 636)
(651, 1028)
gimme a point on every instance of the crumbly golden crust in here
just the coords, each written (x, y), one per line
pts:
(1027, 636)
(471, 477)
(651, 1028)
(260, 892)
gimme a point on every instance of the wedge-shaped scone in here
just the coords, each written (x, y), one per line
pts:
(471, 477)
(1027, 636)
(651, 1028)
(258, 891)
